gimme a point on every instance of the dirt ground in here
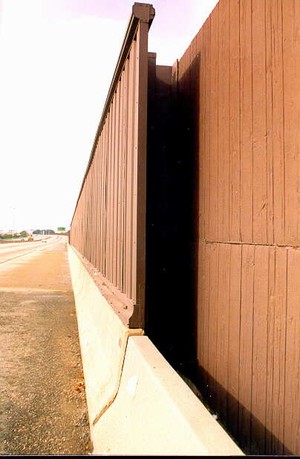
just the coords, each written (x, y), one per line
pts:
(43, 407)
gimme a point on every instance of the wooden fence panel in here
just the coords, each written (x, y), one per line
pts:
(248, 218)
(240, 79)
(108, 227)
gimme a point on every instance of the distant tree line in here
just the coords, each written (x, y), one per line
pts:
(25, 234)
(14, 235)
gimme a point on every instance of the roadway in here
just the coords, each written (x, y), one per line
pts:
(9, 251)
(43, 408)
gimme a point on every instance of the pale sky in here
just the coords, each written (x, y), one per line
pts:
(57, 59)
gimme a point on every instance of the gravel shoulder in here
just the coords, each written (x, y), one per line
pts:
(43, 407)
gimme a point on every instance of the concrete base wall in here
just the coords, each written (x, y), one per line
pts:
(137, 403)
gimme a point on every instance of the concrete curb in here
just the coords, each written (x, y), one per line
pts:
(156, 413)
(103, 340)
(137, 403)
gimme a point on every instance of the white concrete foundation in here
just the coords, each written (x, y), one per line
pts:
(103, 339)
(138, 404)
(156, 413)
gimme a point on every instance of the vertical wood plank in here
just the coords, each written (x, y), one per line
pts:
(134, 166)
(270, 346)
(129, 184)
(223, 326)
(93, 220)
(213, 129)
(100, 204)
(115, 184)
(105, 174)
(260, 202)
(126, 154)
(213, 320)
(203, 308)
(234, 122)
(246, 344)
(107, 193)
(97, 207)
(110, 193)
(138, 319)
(260, 341)
(279, 346)
(277, 107)
(291, 66)
(269, 123)
(223, 122)
(203, 183)
(205, 73)
(246, 71)
(234, 336)
(122, 178)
